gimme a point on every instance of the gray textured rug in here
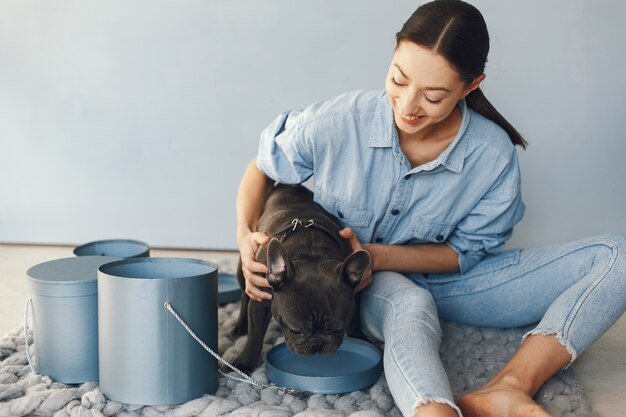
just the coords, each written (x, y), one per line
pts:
(470, 355)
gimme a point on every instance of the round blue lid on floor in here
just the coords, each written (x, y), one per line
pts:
(355, 365)
(228, 289)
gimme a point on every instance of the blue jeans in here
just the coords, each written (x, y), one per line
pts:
(574, 291)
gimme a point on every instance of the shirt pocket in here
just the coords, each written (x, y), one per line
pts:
(351, 215)
(424, 230)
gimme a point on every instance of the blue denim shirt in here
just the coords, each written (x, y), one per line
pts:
(469, 197)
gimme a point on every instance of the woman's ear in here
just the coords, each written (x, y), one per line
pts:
(474, 85)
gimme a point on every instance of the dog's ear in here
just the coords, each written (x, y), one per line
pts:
(278, 270)
(353, 268)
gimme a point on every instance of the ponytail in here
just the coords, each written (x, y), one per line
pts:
(477, 101)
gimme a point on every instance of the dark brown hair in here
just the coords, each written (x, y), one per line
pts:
(457, 31)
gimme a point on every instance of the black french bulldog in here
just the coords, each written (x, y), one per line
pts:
(313, 274)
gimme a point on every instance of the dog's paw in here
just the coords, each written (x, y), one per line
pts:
(243, 363)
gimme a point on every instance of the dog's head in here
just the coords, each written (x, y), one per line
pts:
(313, 298)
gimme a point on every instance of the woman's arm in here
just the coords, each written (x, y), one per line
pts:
(423, 258)
(254, 189)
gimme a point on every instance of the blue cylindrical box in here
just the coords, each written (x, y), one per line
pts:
(65, 317)
(119, 248)
(146, 356)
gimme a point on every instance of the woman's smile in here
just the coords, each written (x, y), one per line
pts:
(411, 119)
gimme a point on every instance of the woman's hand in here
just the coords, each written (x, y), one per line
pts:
(348, 234)
(248, 246)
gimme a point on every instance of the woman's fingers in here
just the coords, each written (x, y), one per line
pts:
(252, 276)
(251, 268)
(254, 283)
(260, 238)
(348, 234)
(255, 293)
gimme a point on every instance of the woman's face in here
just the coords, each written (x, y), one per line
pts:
(423, 88)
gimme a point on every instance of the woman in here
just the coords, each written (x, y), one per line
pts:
(425, 174)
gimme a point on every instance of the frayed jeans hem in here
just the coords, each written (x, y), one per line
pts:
(422, 400)
(560, 337)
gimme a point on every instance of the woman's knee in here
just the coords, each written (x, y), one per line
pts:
(396, 301)
(413, 309)
(614, 249)
(618, 242)
(400, 293)
(597, 252)
(413, 299)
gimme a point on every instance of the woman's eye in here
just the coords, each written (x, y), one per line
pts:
(432, 101)
(393, 80)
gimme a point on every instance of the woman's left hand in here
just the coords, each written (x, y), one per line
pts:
(348, 234)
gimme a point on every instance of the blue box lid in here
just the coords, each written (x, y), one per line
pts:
(357, 364)
(119, 248)
(67, 277)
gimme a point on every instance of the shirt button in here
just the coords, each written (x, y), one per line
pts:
(340, 214)
(379, 239)
(439, 237)
(464, 252)
(395, 212)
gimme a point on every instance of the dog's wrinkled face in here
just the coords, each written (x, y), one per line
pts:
(313, 300)
(316, 324)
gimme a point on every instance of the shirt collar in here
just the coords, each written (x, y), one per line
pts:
(454, 155)
(383, 124)
(384, 128)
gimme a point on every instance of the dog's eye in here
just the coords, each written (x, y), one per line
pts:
(296, 332)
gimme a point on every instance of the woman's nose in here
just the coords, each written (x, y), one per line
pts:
(409, 104)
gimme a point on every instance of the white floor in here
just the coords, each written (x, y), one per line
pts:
(601, 370)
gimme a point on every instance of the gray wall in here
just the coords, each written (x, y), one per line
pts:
(136, 119)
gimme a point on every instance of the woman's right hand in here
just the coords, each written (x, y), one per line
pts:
(248, 246)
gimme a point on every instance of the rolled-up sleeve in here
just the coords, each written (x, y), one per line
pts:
(490, 222)
(284, 155)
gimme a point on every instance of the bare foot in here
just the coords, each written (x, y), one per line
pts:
(500, 400)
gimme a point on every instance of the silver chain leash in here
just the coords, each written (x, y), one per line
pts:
(245, 378)
(26, 342)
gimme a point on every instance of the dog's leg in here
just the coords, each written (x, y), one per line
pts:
(242, 323)
(259, 315)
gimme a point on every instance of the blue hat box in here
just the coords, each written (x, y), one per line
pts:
(119, 248)
(64, 295)
(146, 356)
